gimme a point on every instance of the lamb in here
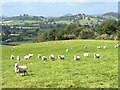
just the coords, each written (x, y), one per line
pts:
(44, 58)
(86, 54)
(18, 58)
(20, 69)
(26, 57)
(12, 57)
(67, 50)
(96, 55)
(39, 55)
(76, 57)
(52, 57)
(62, 57)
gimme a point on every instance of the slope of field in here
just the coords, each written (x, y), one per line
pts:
(85, 73)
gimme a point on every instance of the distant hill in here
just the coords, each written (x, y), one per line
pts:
(30, 21)
(113, 14)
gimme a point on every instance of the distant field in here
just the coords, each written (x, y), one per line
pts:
(64, 21)
(85, 73)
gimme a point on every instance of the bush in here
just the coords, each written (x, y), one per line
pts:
(105, 37)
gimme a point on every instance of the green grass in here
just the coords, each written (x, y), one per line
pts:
(86, 73)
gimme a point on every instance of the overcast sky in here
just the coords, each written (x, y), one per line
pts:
(51, 8)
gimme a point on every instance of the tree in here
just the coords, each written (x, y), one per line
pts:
(87, 34)
(107, 27)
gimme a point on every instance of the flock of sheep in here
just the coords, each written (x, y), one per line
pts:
(23, 69)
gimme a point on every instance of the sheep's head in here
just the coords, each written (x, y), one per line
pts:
(16, 64)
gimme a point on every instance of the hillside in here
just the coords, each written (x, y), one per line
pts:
(27, 27)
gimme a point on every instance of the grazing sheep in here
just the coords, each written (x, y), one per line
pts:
(31, 55)
(67, 50)
(52, 57)
(96, 55)
(99, 47)
(62, 57)
(20, 69)
(44, 58)
(86, 54)
(26, 57)
(12, 57)
(76, 57)
(117, 45)
(39, 55)
(18, 58)
(105, 47)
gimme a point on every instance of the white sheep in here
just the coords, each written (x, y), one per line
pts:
(20, 69)
(52, 57)
(39, 55)
(117, 45)
(105, 47)
(18, 58)
(99, 47)
(12, 57)
(62, 57)
(31, 55)
(44, 58)
(76, 57)
(86, 54)
(67, 50)
(26, 57)
(96, 55)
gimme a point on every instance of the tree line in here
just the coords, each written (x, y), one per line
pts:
(107, 30)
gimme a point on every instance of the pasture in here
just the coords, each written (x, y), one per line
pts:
(85, 73)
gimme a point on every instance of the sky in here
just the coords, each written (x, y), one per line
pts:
(56, 9)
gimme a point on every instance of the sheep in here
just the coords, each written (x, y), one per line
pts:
(98, 47)
(26, 57)
(31, 55)
(20, 69)
(44, 58)
(18, 58)
(67, 50)
(76, 57)
(117, 45)
(12, 57)
(105, 47)
(62, 57)
(86, 54)
(52, 57)
(96, 55)
(39, 55)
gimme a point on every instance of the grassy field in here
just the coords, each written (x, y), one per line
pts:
(85, 73)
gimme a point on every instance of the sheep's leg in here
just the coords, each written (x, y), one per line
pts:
(17, 73)
(25, 72)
